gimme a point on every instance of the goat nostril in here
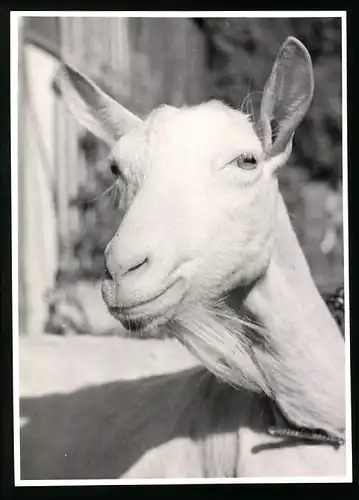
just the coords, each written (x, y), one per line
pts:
(137, 266)
(120, 269)
(107, 275)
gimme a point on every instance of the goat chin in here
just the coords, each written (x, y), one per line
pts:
(222, 341)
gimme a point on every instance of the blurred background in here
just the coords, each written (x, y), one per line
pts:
(65, 222)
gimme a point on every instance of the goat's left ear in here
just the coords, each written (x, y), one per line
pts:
(286, 99)
(92, 107)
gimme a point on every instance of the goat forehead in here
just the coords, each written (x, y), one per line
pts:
(203, 132)
(197, 126)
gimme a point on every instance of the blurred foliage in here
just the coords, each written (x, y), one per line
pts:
(241, 54)
(100, 214)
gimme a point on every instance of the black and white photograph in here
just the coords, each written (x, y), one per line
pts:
(180, 247)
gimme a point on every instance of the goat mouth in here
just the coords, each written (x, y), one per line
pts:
(154, 311)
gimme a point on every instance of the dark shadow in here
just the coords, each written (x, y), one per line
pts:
(101, 431)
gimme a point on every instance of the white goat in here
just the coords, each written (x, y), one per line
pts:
(205, 220)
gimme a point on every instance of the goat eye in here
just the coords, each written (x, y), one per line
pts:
(115, 169)
(246, 161)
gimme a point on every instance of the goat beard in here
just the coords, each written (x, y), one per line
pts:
(223, 341)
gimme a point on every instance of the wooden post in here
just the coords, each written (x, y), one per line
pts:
(39, 242)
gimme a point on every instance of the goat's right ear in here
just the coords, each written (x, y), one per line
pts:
(92, 107)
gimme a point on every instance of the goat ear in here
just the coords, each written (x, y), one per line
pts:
(286, 97)
(92, 107)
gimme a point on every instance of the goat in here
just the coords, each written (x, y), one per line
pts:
(206, 249)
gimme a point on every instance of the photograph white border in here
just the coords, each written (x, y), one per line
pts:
(14, 46)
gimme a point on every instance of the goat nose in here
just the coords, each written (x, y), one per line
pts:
(118, 267)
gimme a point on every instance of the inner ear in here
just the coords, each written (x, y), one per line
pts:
(274, 129)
